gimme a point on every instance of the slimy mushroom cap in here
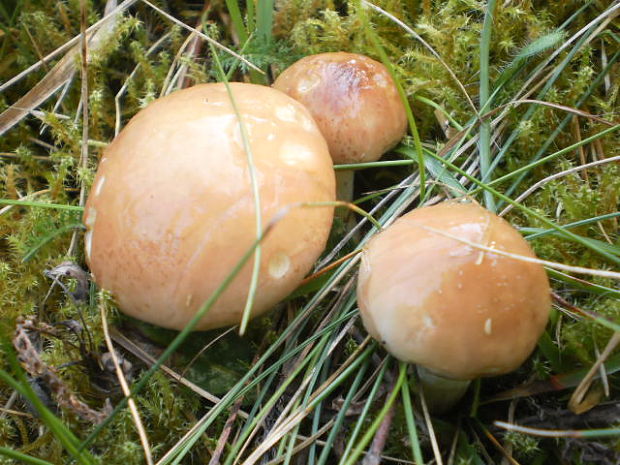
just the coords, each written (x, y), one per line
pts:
(458, 311)
(171, 210)
(354, 101)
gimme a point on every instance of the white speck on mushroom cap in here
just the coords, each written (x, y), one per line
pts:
(215, 103)
(295, 154)
(308, 83)
(88, 244)
(279, 265)
(380, 80)
(461, 251)
(488, 326)
(429, 322)
(99, 185)
(286, 113)
(90, 217)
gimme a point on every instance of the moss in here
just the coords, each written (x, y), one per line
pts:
(43, 151)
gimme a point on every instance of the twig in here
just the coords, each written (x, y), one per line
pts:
(125, 387)
(373, 456)
(32, 363)
(9, 403)
(223, 440)
(499, 447)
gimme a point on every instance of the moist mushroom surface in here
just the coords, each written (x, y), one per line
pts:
(353, 100)
(171, 210)
(456, 310)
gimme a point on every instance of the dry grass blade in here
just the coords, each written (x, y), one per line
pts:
(374, 454)
(223, 440)
(67, 45)
(296, 417)
(125, 387)
(554, 265)
(54, 80)
(557, 433)
(215, 43)
(604, 18)
(59, 75)
(427, 45)
(125, 86)
(330, 267)
(557, 106)
(507, 456)
(431, 431)
(4, 411)
(84, 96)
(137, 351)
(581, 390)
(306, 442)
(560, 174)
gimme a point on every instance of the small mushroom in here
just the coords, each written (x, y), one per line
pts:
(457, 311)
(355, 103)
(171, 210)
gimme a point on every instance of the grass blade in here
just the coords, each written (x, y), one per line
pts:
(410, 419)
(484, 141)
(23, 458)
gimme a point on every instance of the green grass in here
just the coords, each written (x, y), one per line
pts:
(317, 389)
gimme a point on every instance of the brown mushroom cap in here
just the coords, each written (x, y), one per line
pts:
(354, 101)
(454, 309)
(171, 210)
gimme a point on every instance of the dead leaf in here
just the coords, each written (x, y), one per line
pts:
(71, 270)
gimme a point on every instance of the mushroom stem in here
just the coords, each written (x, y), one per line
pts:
(344, 185)
(440, 393)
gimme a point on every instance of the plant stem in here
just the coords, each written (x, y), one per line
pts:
(441, 393)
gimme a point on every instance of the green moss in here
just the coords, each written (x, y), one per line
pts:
(43, 152)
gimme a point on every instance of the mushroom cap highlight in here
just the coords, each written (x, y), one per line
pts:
(454, 309)
(171, 210)
(354, 101)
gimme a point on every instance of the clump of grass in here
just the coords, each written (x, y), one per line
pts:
(317, 390)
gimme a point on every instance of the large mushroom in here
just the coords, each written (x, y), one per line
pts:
(171, 210)
(457, 311)
(355, 103)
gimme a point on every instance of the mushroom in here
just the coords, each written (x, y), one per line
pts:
(171, 210)
(355, 103)
(457, 311)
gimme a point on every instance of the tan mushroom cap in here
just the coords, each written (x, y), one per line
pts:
(354, 101)
(171, 210)
(438, 302)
